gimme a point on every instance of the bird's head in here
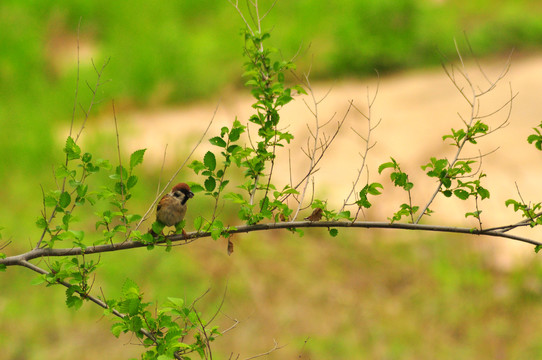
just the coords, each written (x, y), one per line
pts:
(182, 190)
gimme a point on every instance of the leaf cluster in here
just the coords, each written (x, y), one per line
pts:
(164, 333)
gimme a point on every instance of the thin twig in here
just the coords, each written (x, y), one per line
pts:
(473, 99)
(151, 207)
(274, 348)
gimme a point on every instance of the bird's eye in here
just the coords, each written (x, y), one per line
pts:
(177, 194)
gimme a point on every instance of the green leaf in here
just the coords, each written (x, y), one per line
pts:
(117, 328)
(64, 200)
(82, 190)
(72, 150)
(198, 223)
(537, 248)
(475, 214)
(76, 234)
(130, 289)
(218, 141)
(197, 166)
(62, 172)
(196, 188)
(40, 279)
(41, 223)
(210, 183)
(132, 181)
(224, 131)
(177, 302)
(236, 198)
(235, 133)
(483, 192)
(180, 226)
(133, 217)
(136, 158)
(50, 200)
(210, 161)
(392, 164)
(511, 202)
(87, 157)
(158, 227)
(462, 194)
(373, 188)
(216, 229)
(333, 232)
(343, 215)
(532, 138)
(74, 301)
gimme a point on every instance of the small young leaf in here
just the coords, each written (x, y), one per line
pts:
(333, 232)
(136, 158)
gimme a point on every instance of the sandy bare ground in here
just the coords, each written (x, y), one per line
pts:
(415, 108)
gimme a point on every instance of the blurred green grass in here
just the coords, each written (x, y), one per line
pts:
(360, 295)
(174, 52)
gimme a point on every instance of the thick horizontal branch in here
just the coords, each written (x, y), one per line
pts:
(22, 259)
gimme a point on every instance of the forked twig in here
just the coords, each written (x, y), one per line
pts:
(473, 99)
(367, 140)
(274, 348)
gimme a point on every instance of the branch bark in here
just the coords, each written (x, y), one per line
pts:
(23, 259)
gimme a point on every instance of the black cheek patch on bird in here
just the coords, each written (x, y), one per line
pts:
(187, 195)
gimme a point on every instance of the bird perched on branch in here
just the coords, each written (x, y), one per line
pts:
(172, 207)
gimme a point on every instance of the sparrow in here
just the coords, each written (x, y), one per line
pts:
(316, 215)
(172, 207)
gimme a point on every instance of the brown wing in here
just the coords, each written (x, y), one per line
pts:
(159, 206)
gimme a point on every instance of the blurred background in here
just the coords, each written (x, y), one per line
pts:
(364, 294)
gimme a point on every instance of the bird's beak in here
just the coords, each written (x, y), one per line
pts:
(190, 194)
